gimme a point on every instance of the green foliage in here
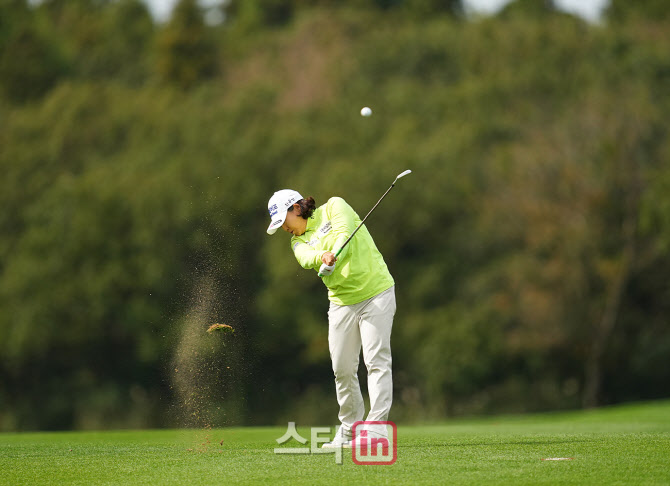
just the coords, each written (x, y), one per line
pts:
(529, 246)
(185, 53)
(649, 10)
(529, 8)
(429, 8)
(30, 64)
(251, 15)
(257, 14)
(129, 35)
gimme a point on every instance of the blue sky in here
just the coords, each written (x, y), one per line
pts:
(588, 9)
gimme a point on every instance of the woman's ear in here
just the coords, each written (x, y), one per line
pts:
(296, 209)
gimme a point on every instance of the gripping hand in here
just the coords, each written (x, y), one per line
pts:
(326, 270)
(328, 259)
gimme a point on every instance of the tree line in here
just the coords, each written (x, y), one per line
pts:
(529, 246)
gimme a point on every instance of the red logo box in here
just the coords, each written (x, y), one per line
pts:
(374, 451)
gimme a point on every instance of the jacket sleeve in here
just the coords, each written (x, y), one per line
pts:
(341, 216)
(307, 256)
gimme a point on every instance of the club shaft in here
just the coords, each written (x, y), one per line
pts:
(363, 222)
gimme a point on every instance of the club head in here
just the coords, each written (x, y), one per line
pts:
(403, 174)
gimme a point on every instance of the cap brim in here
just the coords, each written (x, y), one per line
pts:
(276, 224)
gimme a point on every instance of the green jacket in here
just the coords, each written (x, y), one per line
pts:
(360, 272)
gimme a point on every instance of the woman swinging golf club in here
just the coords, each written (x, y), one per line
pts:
(362, 300)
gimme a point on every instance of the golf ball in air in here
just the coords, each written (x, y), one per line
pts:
(365, 111)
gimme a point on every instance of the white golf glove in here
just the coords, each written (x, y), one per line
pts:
(326, 270)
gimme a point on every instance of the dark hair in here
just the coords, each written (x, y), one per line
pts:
(307, 207)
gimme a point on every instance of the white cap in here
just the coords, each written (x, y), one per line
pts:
(278, 205)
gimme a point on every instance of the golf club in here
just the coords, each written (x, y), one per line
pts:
(403, 174)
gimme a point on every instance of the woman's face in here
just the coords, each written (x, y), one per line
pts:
(294, 223)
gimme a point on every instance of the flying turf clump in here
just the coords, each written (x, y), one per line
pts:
(220, 328)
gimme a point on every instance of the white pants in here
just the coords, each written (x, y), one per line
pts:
(367, 325)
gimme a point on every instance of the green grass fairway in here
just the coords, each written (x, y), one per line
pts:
(620, 445)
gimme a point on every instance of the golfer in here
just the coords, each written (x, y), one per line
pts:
(362, 301)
